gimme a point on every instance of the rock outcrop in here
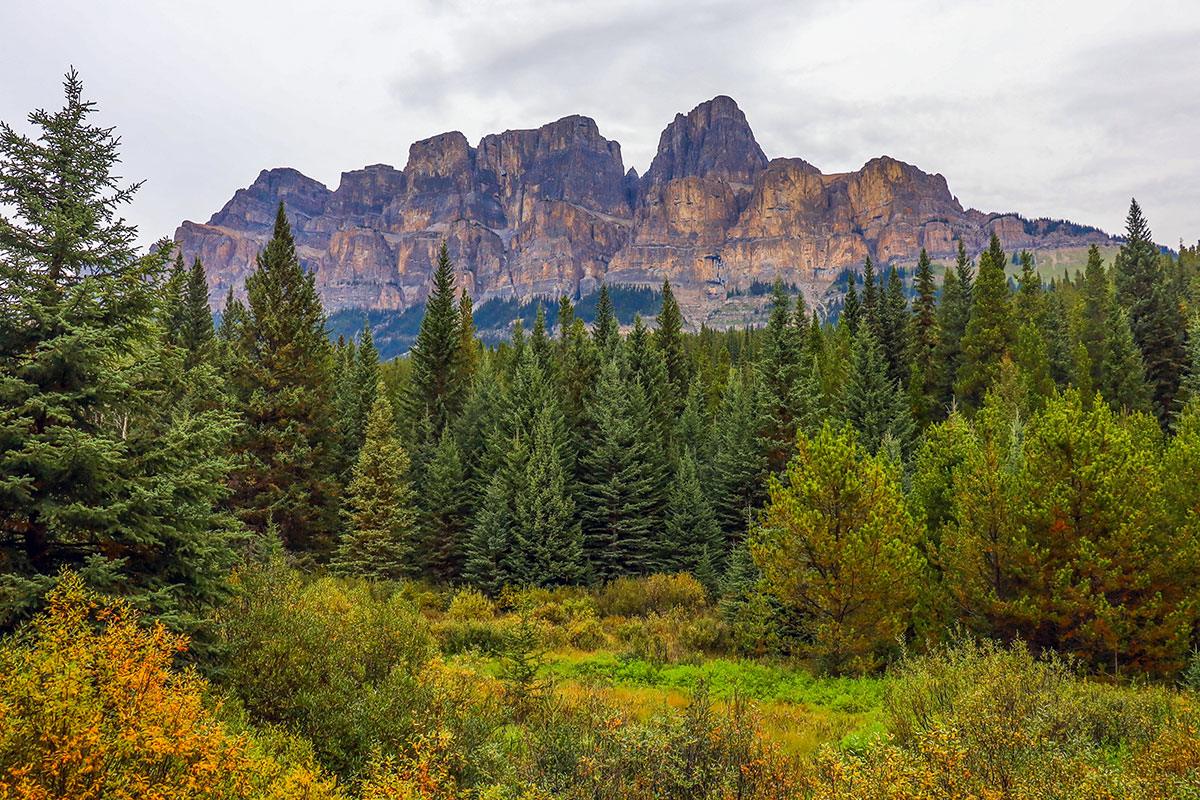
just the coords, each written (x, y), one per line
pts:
(553, 211)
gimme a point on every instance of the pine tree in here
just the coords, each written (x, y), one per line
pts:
(381, 517)
(923, 345)
(605, 329)
(1029, 303)
(539, 340)
(778, 368)
(953, 315)
(107, 466)
(468, 345)
(990, 333)
(1055, 330)
(693, 541)
(285, 390)
(436, 358)
(1155, 312)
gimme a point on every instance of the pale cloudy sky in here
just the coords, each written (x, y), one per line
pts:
(1046, 107)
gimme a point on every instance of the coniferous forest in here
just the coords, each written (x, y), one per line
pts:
(945, 545)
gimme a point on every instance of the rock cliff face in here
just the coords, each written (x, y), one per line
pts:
(552, 211)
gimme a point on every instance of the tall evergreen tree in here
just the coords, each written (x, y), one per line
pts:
(285, 389)
(1155, 312)
(990, 333)
(1056, 332)
(739, 464)
(566, 317)
(106, 466)
(668, 337)
(196, 332)
(1093, 308)
(624, 474)
(693, 541)
(892, 328)
(1029, 303)
(605, 328)
(445, 505)
(778, 367)
(953, 315)
(380, 509)
(875, 405)
(870, 298)
(851, 310)
(547, 542)
(923, 345)
(1190, 386)
(437, 384)
(1122, 377)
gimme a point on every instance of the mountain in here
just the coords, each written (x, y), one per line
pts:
(552, 211)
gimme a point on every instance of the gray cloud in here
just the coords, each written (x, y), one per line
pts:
(1047, 107)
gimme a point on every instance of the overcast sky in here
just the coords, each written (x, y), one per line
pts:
(1045, 107)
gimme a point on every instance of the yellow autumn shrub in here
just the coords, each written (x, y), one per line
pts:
(91, 706)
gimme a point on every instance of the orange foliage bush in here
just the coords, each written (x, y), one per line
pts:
(91, 707)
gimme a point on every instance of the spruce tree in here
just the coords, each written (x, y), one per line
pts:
(1056, 332)
(953, 315)
(539, 340)
(566, 317)
(285, 390)
(468, 345)
(778, 366)
(437, 385)
(693, 541)
(547, 542)
(923, 345)
(668, 337)
(1122, 375)
(739, 464)
(1155, 312)
(870, 298)
(1189, 389)
(1093, 308)
(892, 328)
(445, 504)
(624, 481)
(107, 466)
(379, 507)
(605, 328)
(196, 332)
(875, 405)
(1029, 304)
(851, 309)
(990, 333)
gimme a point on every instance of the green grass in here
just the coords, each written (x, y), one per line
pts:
(724, 679)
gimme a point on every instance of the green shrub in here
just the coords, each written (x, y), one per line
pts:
(470, 604)
(656, 594)
(486, 637)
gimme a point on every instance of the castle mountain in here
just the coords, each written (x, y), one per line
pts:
(553, 211)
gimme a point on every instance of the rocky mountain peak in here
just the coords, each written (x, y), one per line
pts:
(712, 141)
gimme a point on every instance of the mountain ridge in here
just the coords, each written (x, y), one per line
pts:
(552, 210)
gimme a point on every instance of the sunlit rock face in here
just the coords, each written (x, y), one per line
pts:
(553, 211)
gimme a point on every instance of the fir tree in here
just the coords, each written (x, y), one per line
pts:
(892, 328)
(605, 327)
(739, 464)
(1093, 310)
(107, 466)
(379, 507)
(1029, 303)
(1155, 314)
(444, 500)
(285, 390)
(668, 337)
(547, 543)
(468, 345)
(566, 317)
(990, 335)
(1122, 377)
(778, 367)
(539, 340)
(1055, 330)
(436, 358)
(870, 298)
(875, 406)
(923, 344)
(851, 309)
(693, 541)
(953, 315)
(196, 333)
(1189, 389)
(624, 475)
